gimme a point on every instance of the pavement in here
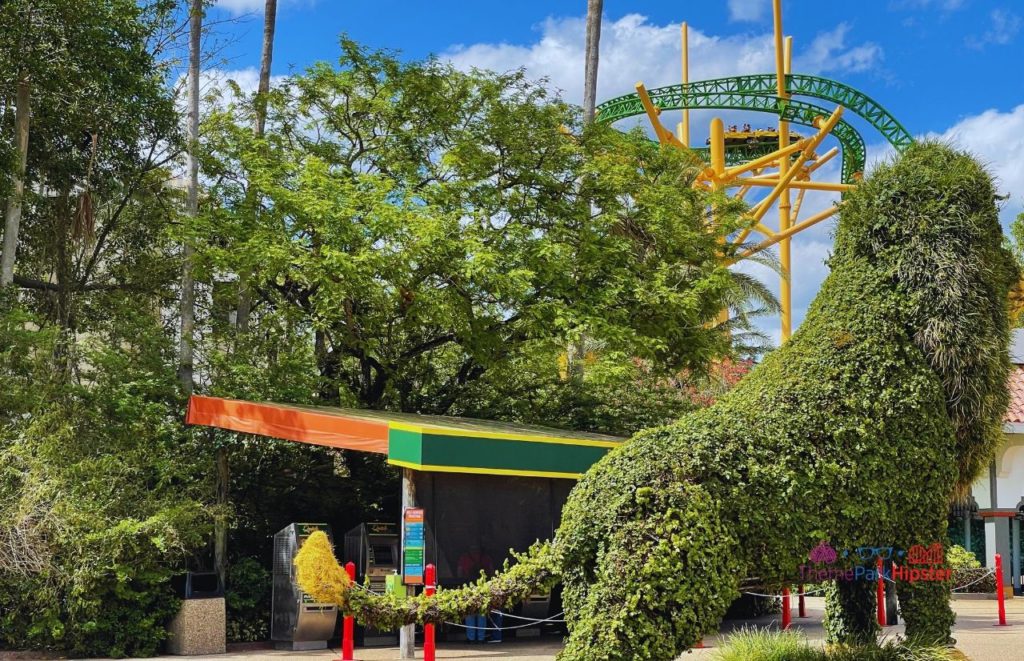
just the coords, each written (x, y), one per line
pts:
(975, 632)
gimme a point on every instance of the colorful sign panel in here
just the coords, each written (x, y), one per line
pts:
(414, 546)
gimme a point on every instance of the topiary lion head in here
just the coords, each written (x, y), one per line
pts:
(929, 223)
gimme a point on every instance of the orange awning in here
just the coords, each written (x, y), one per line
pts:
(291, 423)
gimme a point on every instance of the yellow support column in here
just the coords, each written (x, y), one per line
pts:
(684, 127)
(718, 150)
(781, 69)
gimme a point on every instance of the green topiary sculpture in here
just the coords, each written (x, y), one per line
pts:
(858, 431)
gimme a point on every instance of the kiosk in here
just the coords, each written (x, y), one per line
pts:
(484, 487)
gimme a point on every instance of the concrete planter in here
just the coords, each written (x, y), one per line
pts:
(200, 627)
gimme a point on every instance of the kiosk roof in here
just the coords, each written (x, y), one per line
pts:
(421, 442)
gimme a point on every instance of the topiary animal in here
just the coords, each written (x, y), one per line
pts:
(884, 404)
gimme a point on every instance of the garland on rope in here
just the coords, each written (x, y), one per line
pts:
(320, 575)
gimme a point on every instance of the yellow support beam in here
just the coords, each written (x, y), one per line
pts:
(788, 174)
(684, 127)
(796, 183)
(665, 136)
(785, 234)
(717, 148)
(766, 160)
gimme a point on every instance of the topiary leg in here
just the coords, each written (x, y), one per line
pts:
(850, 612)
(663, 581)
(925, 608)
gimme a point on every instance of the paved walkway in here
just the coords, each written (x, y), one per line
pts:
(976, 637)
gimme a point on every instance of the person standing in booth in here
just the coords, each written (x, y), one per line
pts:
(471, 563)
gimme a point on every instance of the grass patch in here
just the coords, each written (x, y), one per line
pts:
(770, 645)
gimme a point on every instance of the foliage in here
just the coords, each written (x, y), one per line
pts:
(764, 645)
(319, 574)
(431, 226)
(656, 535)
(247, 598)
(800, 450)
(850, 617)
(957, 557)
(100, 502)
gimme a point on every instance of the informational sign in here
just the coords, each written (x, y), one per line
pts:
(414, 546)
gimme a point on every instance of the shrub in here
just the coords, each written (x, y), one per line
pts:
(766, 645)
(247, 596)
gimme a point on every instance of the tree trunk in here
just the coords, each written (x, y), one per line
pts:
(12, 217)
(269, 24)
(594, 10)
(186, 351)
(220, 522)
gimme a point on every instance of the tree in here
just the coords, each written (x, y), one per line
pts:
(186, 352)
(269, 25)
(430, 224)
(595, 8)
(12, 217)
(99, 500)
(904, 351)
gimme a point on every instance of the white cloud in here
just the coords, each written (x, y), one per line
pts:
(1003, 27)
(240, 7)
(747, 10)
(634, 48)
(831, 47)
(997, 139)
(941, 5)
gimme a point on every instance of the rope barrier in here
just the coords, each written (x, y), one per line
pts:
(978, 580)
(518, 626)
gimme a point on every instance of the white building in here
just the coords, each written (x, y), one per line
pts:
(998, 497)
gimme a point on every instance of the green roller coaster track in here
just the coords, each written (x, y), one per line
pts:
(757, 92)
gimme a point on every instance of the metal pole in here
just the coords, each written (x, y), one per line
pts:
(1015, 554)
(348, 631)
(880, 595)
(407, 634)
(787, 615)
(1000, 596)
(785, 289)
(684, 128)
(801, 605)
(428, 628)
(967, 529)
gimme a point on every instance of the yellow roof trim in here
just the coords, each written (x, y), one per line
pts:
(483, 471)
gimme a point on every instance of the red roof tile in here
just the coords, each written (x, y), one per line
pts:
(1015, 411)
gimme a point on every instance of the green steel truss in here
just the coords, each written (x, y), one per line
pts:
(757, 92)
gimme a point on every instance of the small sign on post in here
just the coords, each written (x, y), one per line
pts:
(414, 546)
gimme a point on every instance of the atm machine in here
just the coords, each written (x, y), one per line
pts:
(374, 548)
(297, 621)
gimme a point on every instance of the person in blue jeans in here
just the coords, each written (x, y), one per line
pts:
(475, 628)
(495, 620)
(471, 565)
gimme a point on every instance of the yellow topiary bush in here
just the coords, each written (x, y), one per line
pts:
(318, 571)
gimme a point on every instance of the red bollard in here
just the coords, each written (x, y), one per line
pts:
(786, 614)
(348, 630)
(880, 595)
(1000, 597)
(428, 628)
(801, 606)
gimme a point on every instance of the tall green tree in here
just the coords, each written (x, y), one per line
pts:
(430, 224)
(100, 499)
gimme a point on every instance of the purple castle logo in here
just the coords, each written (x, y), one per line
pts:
(823, 553)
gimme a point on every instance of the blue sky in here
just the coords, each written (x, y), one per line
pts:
(950, 68)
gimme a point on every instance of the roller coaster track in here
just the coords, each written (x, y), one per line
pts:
(757, 92)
